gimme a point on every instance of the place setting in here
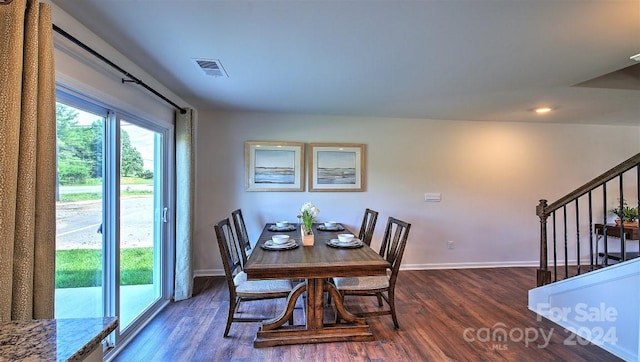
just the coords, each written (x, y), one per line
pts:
(280, 242)
(330, 226)
(282, 226)
(345, 241)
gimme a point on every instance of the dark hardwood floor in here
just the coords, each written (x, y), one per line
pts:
(444, 315)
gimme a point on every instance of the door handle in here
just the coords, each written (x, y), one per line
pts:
(164, 214)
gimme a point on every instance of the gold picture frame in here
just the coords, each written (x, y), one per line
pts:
(336, 167)
(274, 166)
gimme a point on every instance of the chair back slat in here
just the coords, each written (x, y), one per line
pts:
(243, 235)
(228, 250)
(368, 226)
(393, 243)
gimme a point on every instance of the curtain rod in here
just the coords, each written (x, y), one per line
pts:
(131, 79)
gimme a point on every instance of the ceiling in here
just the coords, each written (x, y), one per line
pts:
(436, 59)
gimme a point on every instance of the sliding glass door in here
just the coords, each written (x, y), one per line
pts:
(141, 219)
(79, 200)
(112, 240)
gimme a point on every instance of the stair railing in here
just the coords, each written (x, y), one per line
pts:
(570, 230)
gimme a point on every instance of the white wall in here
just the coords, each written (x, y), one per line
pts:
(491, 176)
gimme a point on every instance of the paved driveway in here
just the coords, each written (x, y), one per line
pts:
(78, 222)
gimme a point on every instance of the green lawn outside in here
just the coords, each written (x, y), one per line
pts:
(77, 268)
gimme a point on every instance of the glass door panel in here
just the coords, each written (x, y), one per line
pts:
(140, 220)
(79, 245)
(111, 195)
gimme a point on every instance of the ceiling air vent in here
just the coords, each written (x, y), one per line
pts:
(212, 67)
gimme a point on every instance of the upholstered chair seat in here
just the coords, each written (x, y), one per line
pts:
(247, 288)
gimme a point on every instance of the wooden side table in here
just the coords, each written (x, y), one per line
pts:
(628, 233)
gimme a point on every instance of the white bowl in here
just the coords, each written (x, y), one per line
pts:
(330, 224)
(280, 239)
(282, 224)
(345, 238)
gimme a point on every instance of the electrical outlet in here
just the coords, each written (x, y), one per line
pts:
(450, 244)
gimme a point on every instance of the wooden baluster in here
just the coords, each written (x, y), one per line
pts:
(544, 275)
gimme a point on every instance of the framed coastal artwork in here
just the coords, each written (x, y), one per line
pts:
(274, 166)
(336, 167)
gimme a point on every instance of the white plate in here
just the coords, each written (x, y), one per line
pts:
(270, 245)
(355, 243)
(338, 227)
(289, 227)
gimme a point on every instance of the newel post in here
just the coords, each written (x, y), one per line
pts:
(544, 275)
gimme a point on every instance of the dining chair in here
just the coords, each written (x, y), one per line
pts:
(241, 289)
(381, 286)
(243, 235)
(366, 232)
(368, 225)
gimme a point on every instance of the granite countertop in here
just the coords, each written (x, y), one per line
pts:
(53, 339)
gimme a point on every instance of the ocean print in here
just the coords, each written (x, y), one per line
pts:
(274, 167)
(336, 168)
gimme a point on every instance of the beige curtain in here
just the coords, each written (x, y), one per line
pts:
(184, 206)
(27, 162)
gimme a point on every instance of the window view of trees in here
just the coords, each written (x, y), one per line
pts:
(80, 137)
(82, 243)
(80, 150)
(131, 159)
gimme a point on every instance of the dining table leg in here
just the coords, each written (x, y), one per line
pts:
(273, 332)
(277, 322)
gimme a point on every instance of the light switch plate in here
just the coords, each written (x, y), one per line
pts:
(432, 197)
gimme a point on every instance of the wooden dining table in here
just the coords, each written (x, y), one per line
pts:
(315, 266)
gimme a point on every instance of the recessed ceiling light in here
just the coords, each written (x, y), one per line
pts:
(542, 110)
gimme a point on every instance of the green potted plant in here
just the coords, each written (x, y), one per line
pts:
(626, 215)
(308, 213)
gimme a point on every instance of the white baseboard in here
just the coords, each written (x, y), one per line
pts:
(474, 265)
(470, 265)
(208, 273)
